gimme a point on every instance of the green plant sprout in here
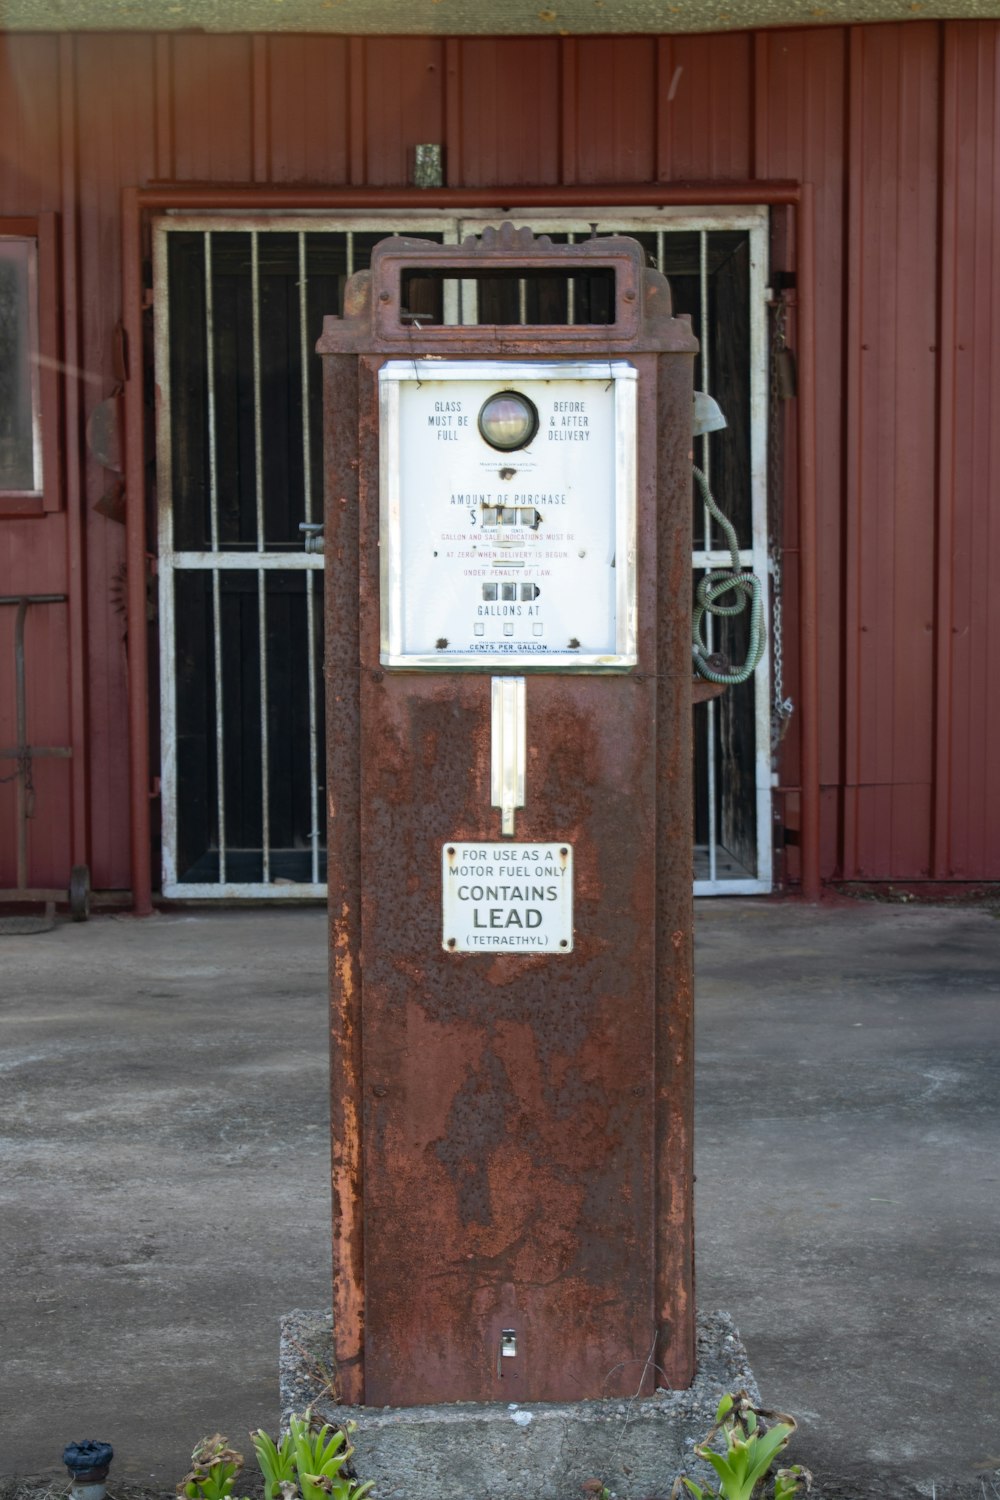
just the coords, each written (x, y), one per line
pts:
(214, 1467)
(276, 1462)
(307, 1463)
(744, 1469)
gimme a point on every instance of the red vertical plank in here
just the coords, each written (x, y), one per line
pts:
(616, 109)
(163, 74)
(667, 82)
(213, 108)
(800, 133)
(946, 497)
(29, 123)
(261, 108)
(710, 113)
(32, 558)
(116, 98)
(404, 83)
(893, 276)
(78, 666)
(969, 717)
(454, 141)
(357, 118)
(509, 112)
(33, 552)
(568, 92)
(308, 99)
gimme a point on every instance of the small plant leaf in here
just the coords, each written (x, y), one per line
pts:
(723, 1409)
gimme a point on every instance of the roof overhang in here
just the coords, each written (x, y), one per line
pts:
(470, 17)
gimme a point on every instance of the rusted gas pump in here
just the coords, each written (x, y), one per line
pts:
(508, 699)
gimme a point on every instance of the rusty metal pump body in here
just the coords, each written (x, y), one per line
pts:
(512, 1131)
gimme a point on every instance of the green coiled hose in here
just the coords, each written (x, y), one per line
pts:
(715, 585)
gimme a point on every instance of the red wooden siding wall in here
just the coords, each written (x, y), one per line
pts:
(898, 129)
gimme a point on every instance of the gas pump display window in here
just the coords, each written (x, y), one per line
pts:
(508, 421)
(508, 514)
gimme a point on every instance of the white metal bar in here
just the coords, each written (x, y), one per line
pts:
(307, 497)
(508, 748)
(310, 603)
(244, 890)
(522, 300)
(314, 828)
(710, 716)
(719, 558)
(451, 296)
(34, 368)
(220, 738)
(265, 757)
(468, 291)
(759, 273)
(258, 441)
(165, 573)
(349, 252)
(470, 302)
(672, 219)
(213, 466)
(246, 562)
(258, 455)
(213, 486)
(571, 288)
(736, 887)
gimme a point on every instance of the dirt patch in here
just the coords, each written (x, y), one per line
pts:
(45, 1487)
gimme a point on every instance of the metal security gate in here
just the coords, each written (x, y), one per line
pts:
(239, 305)
(716, 262)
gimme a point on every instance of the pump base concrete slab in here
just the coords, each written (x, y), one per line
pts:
(520, 1451)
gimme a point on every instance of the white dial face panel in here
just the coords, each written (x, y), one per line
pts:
(498, 556)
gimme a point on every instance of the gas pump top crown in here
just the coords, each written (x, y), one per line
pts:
(507, 484)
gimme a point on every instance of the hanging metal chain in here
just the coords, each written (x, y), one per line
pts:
(781, 387)
(782, 708)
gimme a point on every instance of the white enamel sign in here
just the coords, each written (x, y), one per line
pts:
(507, 897)
(522, 558)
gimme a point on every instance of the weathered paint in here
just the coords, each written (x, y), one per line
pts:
(525, 1119)
(894, 128)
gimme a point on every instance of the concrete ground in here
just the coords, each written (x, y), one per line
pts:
(163, 1181)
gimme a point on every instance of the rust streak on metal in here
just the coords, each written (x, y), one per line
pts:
(344, 871)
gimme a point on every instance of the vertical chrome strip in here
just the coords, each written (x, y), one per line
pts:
(213, 489)
(710, 716)
(348, 255)
(522, 300)
(310, 601)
